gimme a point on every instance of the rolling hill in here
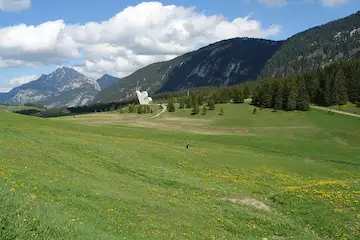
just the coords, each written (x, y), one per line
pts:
(269, 175)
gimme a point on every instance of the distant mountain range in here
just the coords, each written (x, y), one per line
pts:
(223, 63)
(107, 81)
(63, 87)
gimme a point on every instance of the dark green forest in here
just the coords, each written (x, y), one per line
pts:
(335, 84)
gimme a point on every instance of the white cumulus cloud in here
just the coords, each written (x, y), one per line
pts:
(273, 3)
(334, 3)
(5, 90)
(22, 80)
(137, 36)
(14, 5)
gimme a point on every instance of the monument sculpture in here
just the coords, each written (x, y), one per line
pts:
(143, 97)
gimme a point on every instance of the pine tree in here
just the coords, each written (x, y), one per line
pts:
(303, 99)
(140, 109)
(266, 95)
(246, 91)
(289, 94)
(211, 104)
(324, 92)
(256, 96)
(277, 98)
(221, 111)
(225, 96)
(182, 104)
(239, 96)
(338, 90)
(189, 102)
(112, 108)
(171, 106)
(196, 108)
(131, 108)
(204, 110)
(215, 97)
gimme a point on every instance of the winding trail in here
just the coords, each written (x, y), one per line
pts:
(158, 114)
(335, 111)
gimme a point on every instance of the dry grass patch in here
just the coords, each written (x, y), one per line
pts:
(249, 202)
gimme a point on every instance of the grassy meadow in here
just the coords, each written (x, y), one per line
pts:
(269, 175)
(349, 107)
(14, 108)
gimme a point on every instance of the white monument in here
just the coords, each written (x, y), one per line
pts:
(143, 97)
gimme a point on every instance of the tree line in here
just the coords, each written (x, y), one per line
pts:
(335, 84)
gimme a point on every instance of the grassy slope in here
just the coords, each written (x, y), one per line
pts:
(14, 108)
(111, 181)
(349, 107)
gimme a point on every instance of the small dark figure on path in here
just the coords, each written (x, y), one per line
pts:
(187, 146)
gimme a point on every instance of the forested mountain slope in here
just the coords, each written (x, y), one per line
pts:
(223, 63)
(316, 47)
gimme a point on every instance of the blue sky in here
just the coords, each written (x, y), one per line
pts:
(39, 35)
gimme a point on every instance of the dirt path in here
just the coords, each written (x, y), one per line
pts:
(7, 110)
(160, 113)
(335, 111)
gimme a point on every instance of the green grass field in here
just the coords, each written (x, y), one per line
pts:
(273, 175)
(349, 107)
(15, 108)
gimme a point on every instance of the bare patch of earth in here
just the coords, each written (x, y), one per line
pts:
(249, 202)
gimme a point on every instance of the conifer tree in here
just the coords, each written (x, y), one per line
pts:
(324, 92)
(256, 96)
(204, 110)
(302, 100)
(140, 109)
(338, 90)
(221, 111)
(171, 106)
(238, 97)
(289, 94)
(277, 98)
(215, 97)
(189, 102)
(112, 108)
(182, 104)
(211, 104)
(266, 95)
(196, 108)
(225, 96)
(246, 91)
